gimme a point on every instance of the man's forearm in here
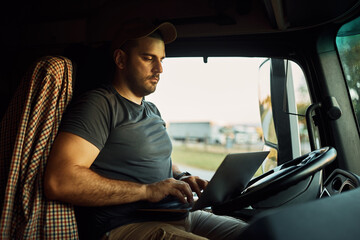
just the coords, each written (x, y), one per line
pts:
(87, 188)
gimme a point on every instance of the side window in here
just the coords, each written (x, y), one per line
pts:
(348, 44)
(283, 100)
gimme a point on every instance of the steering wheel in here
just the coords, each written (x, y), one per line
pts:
(279, 178)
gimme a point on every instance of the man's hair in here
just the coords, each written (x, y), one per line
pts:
(129, 44)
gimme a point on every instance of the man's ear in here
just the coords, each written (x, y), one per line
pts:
(119, 58)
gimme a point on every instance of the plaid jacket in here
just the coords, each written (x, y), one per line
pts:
(27, 132)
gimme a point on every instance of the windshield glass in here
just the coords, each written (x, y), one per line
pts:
(211, 109)
(348, 44)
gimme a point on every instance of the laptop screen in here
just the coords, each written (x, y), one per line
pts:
(233, 174)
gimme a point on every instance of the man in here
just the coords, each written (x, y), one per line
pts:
(112, 153)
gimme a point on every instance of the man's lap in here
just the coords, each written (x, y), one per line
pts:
(198, 225)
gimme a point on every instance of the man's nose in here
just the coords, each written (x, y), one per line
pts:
(158, 67)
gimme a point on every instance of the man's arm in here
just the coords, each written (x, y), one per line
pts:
(68, 178)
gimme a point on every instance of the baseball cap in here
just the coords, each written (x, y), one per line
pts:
(139, 28)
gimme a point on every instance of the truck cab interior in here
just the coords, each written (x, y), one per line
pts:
(309, 189)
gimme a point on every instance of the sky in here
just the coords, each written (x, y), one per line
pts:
(223, 90)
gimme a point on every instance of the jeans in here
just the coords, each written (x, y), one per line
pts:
(198, 225)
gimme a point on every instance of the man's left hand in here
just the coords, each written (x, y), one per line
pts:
(197, 184)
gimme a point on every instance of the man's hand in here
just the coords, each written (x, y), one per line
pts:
(196, 184)
(155, 192)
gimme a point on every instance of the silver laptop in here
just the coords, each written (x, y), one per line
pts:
(233, 174)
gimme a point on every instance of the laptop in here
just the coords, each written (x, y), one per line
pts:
(233, 175)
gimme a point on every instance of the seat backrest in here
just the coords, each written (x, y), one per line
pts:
(27, 132)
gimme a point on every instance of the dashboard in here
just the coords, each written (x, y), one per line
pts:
(339, 181)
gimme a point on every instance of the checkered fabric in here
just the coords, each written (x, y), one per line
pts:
(27, 132)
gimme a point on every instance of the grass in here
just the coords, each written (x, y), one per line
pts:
(207, 157)
(198, 158)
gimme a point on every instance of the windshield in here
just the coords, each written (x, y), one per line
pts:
(211, 109)
(348, 44)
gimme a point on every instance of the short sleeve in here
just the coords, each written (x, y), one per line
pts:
(89, 118)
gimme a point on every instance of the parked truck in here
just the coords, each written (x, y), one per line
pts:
(207, 132)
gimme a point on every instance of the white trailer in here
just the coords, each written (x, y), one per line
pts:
(195, 131)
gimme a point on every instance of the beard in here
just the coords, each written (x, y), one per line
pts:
(142, 86)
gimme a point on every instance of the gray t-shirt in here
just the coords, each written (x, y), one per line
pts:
(133, 143)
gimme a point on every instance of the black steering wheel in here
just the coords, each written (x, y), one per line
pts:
(279, 178)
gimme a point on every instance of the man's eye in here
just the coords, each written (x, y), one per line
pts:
(147, 58)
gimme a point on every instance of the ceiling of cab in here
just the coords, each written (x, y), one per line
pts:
(43, 21)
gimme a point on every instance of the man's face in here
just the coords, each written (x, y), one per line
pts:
(144, 65)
